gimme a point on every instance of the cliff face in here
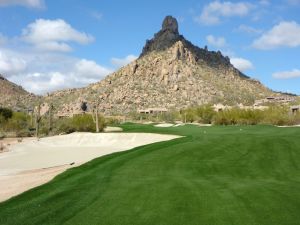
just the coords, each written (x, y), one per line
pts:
(171, 72)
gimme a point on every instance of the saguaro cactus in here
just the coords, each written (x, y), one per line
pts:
(95, 116)
(37, 119)
(51, 107)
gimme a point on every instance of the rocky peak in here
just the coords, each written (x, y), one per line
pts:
(168, 38)
(170, 24)
(165, 38)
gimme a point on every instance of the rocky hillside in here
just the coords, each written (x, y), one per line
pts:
(171, 72)
(14, 96)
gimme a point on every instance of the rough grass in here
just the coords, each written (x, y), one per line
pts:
(213, 176)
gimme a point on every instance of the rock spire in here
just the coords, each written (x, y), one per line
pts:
(165, 38)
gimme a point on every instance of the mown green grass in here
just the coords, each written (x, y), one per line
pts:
(233, 175)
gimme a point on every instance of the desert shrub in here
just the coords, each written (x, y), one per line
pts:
(2, 120)
(79, 123)
(189, 115)
(134, 115)
(6, 113)
(102, 122)
(44, 130)
(277, 115)
(112, 121)
(170, 116)
(274, 115)
(83, 123)
(226, 117)
(18, 122)
(201, 114)
(205, 114)
(248, 116)
(64, 126)
(238, 116)
(23, 133)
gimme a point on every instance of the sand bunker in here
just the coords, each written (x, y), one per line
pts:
(34, 158)
(113, 129)
(290, 126)
(15, 184)
(181, 124)
(164, 125)
(6, 143)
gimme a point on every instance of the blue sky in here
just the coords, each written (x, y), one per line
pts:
(49, 45)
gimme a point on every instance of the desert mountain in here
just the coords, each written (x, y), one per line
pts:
(14, 96)
(170, 73)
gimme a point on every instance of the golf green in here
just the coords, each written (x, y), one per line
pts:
(234, 175)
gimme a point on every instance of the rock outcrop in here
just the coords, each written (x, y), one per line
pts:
(165, 38)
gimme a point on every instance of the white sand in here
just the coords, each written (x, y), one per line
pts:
(66, 149)
(14, 184)
(6, 143)
(181, 124)
(35, 158)
(164, 125)
(290, 126)
(200, 124)
(113, 129)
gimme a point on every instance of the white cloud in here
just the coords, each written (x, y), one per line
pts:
(285, 34)
(241, 64)
(249, 29)
(287, 74)
(71, 73)
(51, 69)
(215, 11)
(40, 83)
(3, 39)
(119, 62)
(53, 35)
(90, 69)
(45, 72)
(27, 3)
(53, 46)
(11, 63)
(97, 15)
(216, 41)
